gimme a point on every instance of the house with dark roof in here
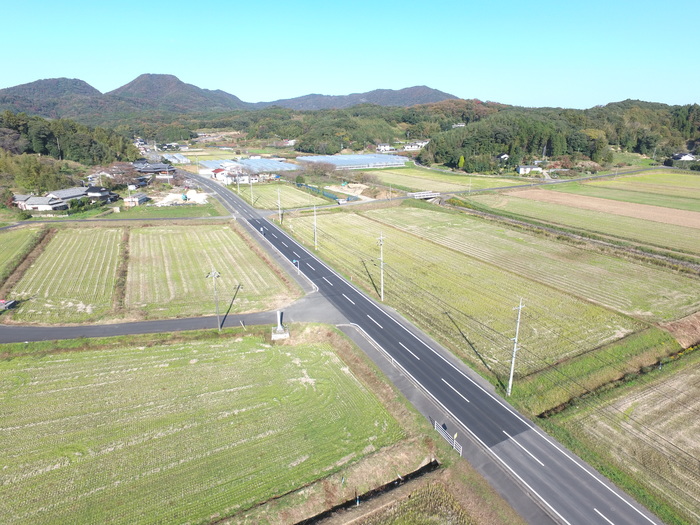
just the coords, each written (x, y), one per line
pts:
(157, 168)
(99, 193)
(69, 194)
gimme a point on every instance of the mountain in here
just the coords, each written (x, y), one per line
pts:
(166, 94)
(47, 98)
(381, 97)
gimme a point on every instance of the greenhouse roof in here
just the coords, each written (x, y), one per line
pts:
(357, 161)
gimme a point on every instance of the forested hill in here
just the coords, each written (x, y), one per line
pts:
(158, 97)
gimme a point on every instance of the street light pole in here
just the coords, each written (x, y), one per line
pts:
(215, 275)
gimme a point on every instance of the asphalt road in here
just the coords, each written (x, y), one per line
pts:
(564, 487)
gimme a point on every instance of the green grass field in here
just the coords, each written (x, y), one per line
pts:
(677, 191)
(265, 196)
(646, 292)
(15, 243)
(168, 266)
(628, 229)
(421, 179)
(424, 280)
(73, 280)
(211, 209)
(177, 433)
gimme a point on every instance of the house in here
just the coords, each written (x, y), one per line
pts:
(99, 193)
(137, 199)
(684, 156)
(524, 170)
(383, 147)
(502, 157)
(157, 168)
(69, 194)
(411, 146)
(423, 143)
(41, 204)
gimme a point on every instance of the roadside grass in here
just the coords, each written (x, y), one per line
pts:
(265, 196)
(179, 432)
(629, 230)
(463, 302)
(646, 292)
(643, 436)
(168, 266)
(73, 280)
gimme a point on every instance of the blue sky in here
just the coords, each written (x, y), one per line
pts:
(537, 53)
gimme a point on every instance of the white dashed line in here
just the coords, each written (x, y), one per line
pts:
(455, 390)
(407, 350)
(353, 302)
(375, 322)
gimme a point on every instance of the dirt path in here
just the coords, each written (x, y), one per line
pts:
(690, 219)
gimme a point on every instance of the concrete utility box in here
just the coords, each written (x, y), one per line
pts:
(280, 332)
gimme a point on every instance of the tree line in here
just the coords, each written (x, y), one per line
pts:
(63, 139)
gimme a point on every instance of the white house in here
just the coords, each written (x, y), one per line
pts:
(383, 147)
(524, 170)
(41, 204)
(683, 156)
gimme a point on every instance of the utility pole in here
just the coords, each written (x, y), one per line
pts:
(381, 266)
(279, 205)
(315, 235)
(215, 275)
(515, 347)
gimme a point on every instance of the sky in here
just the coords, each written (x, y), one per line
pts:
(539, 53)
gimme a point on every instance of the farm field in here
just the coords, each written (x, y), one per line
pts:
(168, 267)
(681, 239)
(73, 280)
(421, 179)
(211, 209)
(15, 243)
(264, 196)
(448, 293)
(179, 432)
(648, 431)
(662, 182)
(670, 190)
(646, 292)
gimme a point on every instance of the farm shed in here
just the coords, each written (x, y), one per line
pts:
(136, 199)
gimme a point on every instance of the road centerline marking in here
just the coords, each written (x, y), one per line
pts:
(353, 302)
(522, 447)
(312, 268)
(455, 390)
(375, 322)
(409, 351)
(601, 515)
(327, 281)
